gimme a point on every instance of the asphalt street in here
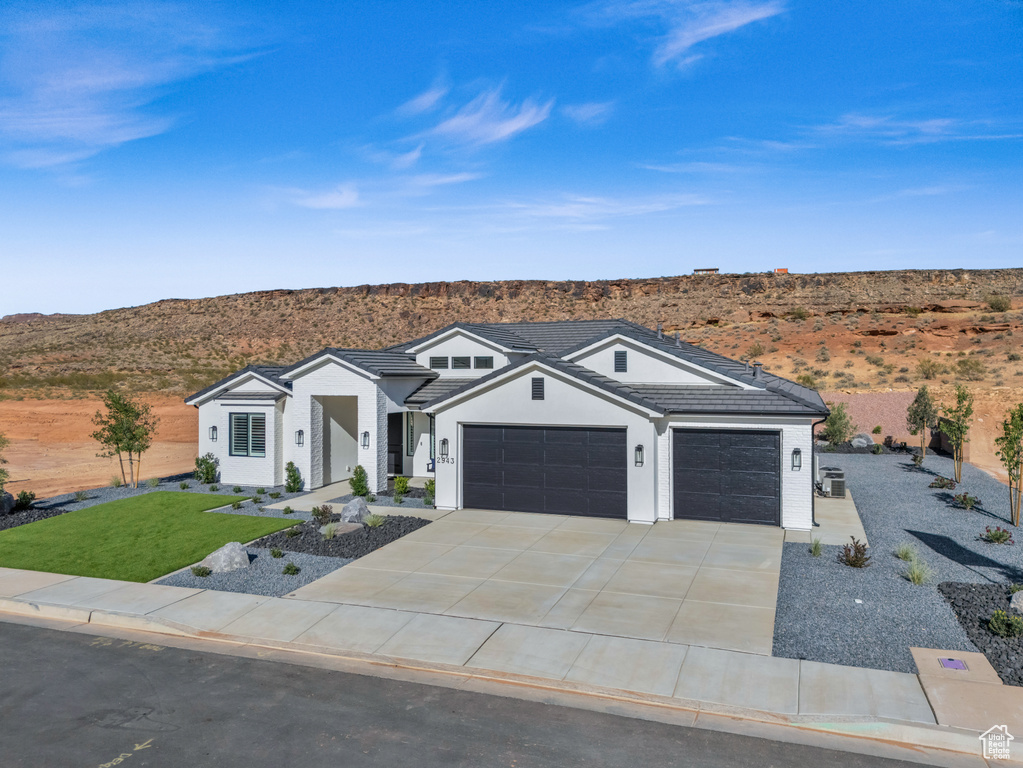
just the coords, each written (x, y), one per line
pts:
(69, 700)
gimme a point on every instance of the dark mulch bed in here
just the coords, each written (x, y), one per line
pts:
(14, 519)
(973, 605)
(348, 545)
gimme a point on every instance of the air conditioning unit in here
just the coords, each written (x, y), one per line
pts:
(834, 484)
(824, 471)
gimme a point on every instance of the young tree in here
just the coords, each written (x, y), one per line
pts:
(838, 427)
(127, 427)
(4, 475)
(922, 417)
(1010, 451)
(956, 425)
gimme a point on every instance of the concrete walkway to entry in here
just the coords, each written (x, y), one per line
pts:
(314, 498)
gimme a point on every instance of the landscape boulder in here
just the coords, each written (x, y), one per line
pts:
(340, 528)
(6, 503)
(355, 511)
(1016, 605)
(229, 557)
(862, 440)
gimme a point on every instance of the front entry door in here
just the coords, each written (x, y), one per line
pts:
(395, 422)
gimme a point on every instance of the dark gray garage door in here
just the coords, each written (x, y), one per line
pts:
(730, 476)
(565, 471)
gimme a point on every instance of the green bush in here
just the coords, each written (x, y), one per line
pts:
(24, 500)
(838, 427)
(81, 496)
(431, 487)
(116, 482)
(876, 430)
(970, 368)
(799, 313)
(292, 478)
(236, 489)
(322, 514)
(374, 520)
(906, 552)
(816, 548)
(213, 489)
(183, 485)
(293, 532)
(291, 570)
(756, 349)
(274, 494)
(258, 499)
(855, 554)
(260, 491)
(998, 535)
(206, 469)
(877, 449)
(153, 482)
(966, 501)
(999, 303)
(428, 500)
(946, 483)
(929, 368)
(1005, 625)
(236, 505)
(287, 510)
(276, 553)
(358, 483)
(918, 572)
(400, 485)
(202, 571)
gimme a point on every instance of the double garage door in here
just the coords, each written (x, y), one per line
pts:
(729, 476)
(559, 470)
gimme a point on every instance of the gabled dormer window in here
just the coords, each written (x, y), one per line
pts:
(621, 362)
(538, 388)
(484, 362)
(460, 363)
(438, 363)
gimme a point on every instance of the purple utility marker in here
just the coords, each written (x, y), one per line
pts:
(953, 664)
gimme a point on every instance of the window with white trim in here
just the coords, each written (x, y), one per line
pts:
(461, 363)
(248, 434)
(484, 362)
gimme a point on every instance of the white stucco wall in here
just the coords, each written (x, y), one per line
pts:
(645, 366)
(796, 486)
(331, 379)
(421, 458)
(565, 403)
(461, 345)
(242, 470)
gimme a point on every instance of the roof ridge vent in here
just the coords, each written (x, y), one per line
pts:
(678, 340)
(660, 330)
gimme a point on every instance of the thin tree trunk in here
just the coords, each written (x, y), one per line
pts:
(138, 469)
(131, 468)
(120, 460)
(923, 442)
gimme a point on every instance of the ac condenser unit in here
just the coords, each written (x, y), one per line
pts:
(834, 484)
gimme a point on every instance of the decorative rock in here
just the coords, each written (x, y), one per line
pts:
(1016, 604)
(340, 528)
(355, 511)
(229, 557)
(6, 503)
(862, 440)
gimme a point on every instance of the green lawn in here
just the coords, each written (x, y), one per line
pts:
(137, 539)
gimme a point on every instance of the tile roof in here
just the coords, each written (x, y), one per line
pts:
(675, 398)
(269, 372)
(378, 362)
(434, 389)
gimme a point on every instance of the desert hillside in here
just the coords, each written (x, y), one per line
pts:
(868, 338)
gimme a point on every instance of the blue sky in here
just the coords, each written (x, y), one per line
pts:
(156, 150)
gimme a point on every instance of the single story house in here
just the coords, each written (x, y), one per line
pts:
(603, 418)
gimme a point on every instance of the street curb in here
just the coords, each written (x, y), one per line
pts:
(912, 741)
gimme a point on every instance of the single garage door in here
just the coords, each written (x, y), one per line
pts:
(729, 476)
(560, 470)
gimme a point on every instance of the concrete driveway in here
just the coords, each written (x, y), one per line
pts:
(683, 582)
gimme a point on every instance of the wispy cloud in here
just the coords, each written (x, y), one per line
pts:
(82, 78)
(697, 167)
(442, 179)
(589, 114)
(488, 119)
(687, 23)
(591, 208)
(338, 198)
(894, 130)
(424, 102)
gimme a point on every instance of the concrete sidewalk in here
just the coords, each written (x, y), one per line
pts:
(809, 696)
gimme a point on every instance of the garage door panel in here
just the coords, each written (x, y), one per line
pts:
(727, 475)
(574, 471)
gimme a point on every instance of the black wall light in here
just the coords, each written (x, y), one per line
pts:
(797, 459)
(213, 434)
(444, 448)
(365, 439)
(639, 455)
(300, 437)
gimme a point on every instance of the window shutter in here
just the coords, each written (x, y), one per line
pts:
(438, 363)
(621, 362)
(538, 388)
(257, 439)
(239, 434)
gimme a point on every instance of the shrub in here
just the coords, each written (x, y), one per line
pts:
(998, 535)
(876, 430)
(799, 313)
(214, 489)
(293, 532)
(838, 427)
(965, 500)
(24, 500)
(291, 570)
(183, 485)
(970, 368)
(206, 469)
(358, 483)
(999, 303)
(918, 572)
(287, 510)
(258, 499)
(292, 478)
(929, 369)
(399, 498)
(329, 531)
(202, 571)
(905, 552)
(877, 449)
(431, 487)
(1013, 357)
(274, 494)
(116, 481)
(946, 483)
(371, 498)
(400, 485)
(918, 459)
(756, 349)
(854, 554)
(260, 491)
(276, 553)
(374, 520)
(153, 482)
(236, 505)
(322, 514)
(823, 356)
(428, 500)
(816, 548)
(807, 380)
(1005, 625)
(874, 360)
(81, 496)
(1014, 588)
(236, 489)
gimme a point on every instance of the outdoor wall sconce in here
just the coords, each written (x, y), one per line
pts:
(365, 439)
(300, 437)
(639, 455)
(444, 448)
(797, 459)
(213, 434)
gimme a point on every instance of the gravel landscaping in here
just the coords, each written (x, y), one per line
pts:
(263, 576)
(870, 617)
(408, 502)
(347, 545)
(973, 605)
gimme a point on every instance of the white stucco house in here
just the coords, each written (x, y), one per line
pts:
(602, 418)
